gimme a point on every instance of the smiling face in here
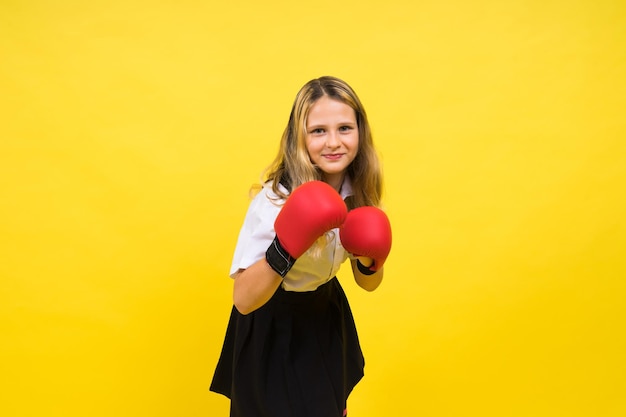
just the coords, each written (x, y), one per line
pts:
(332, 138)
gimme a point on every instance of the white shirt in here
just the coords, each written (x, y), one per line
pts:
(257, 233)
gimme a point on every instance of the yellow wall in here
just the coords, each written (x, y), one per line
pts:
(131, 130)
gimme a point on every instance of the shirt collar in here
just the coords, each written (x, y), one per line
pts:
(346, 188)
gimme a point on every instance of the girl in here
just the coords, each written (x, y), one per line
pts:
(291, 347)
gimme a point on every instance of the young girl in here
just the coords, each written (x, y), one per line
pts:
(291, 347)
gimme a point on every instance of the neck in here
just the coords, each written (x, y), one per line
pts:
(334, 181)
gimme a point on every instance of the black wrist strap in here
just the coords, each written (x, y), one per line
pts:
(278, 258)
(364, 269)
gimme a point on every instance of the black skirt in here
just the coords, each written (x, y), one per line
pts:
(297, 356)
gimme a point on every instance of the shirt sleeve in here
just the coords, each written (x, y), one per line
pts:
(257, 231)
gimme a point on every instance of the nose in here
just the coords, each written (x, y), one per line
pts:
(332, 140)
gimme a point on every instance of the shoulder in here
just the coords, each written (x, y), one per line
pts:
(267, 200)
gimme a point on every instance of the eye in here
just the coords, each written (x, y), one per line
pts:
(345, 128)
(317, 131)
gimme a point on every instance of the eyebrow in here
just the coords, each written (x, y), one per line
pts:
(341, 123)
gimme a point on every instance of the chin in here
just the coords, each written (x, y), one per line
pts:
(332, 171)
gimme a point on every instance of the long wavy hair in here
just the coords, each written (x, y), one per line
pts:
(293, 167)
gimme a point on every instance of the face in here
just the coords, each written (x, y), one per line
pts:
(332, 138)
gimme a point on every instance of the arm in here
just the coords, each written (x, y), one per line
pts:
(310, 210)
(254, 286)
(367, 282)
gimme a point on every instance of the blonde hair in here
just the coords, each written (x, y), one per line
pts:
(293, 167)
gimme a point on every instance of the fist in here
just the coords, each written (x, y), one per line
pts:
(310, 211)
(367, 232)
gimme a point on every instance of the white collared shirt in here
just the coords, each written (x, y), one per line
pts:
(257, 233)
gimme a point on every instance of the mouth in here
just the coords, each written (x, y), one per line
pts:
(333, 156)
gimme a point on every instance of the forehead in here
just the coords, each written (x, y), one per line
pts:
(329, 110)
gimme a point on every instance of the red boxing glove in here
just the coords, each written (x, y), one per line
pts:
(311, 210)
(367, 232)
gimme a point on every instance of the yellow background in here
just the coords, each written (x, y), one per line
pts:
(131, 131)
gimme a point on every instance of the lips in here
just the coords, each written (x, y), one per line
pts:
(333, 156)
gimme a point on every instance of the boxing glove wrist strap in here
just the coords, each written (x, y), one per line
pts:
(364, 269)
(278, 258)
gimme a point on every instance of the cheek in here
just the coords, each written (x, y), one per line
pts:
(354, 148)
(355, 143)
(314, 146)
(311, 151)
